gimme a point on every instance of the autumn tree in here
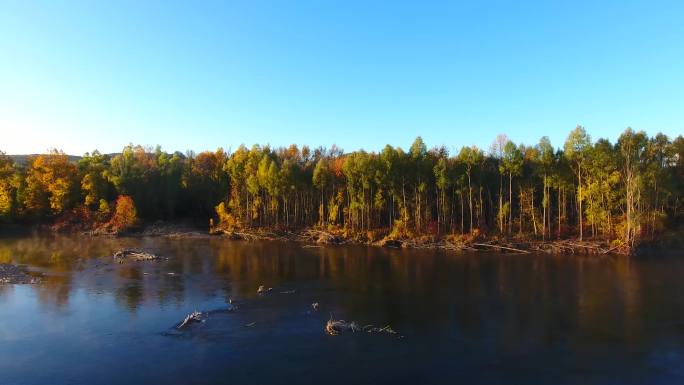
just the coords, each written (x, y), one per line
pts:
(497, 152)
(8, 187)
(632, 147)
(511, 164)
(470, 157)
(577, 148)
(321, 179)
(629, 190)
(125, 214)
(205, 182)
(94, 183)
(51, 184)
(546, 162)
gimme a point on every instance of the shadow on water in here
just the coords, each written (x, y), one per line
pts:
(477, 318)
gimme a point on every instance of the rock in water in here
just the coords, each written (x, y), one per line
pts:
(13, 274)
(134, 255)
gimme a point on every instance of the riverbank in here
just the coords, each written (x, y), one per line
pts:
(313, 237)
(316, 237)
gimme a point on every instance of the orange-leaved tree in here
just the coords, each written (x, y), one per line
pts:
(125, 215)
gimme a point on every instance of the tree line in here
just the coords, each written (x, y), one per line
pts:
(622, 191)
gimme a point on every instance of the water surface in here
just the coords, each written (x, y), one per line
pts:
(463, 318)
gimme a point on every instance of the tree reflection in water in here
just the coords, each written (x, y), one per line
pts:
(508, 304)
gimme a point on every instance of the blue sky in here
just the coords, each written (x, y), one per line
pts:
(199, 75)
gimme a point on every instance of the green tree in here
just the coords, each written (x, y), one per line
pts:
(94, 183)
(632, 147)
(471, 157)
(546, 163)
(322, 179)
(511, 164)
(577, 148)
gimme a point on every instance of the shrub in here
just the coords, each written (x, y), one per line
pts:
(226, 220)
(104, 210)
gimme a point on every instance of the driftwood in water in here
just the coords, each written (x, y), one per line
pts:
(191, 318)
(584, 247)
(262, 289)
(501, 247)
(385, 329)
(321, 237)
(256, 235)
(334, 328)
(134, 255)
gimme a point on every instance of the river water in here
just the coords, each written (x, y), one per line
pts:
(460, 318)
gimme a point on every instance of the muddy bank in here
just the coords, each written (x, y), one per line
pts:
(156, 229)
(174, 230)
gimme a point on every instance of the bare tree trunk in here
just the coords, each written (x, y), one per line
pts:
(501, 229)
(460, 193)
(520, 211)
(470, 202)
(559, 212)
(579, 201)
(544, 204)
(534, 214)
(510, 202)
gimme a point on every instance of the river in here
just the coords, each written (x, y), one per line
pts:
(482, 318)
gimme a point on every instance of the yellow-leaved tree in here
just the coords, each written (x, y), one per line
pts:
(7, 186)
(51, 184)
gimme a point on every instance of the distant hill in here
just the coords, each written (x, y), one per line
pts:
(23, 159)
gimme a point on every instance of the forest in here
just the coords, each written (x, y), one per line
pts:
(621, 192)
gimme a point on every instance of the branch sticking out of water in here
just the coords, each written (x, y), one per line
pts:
(190, 319)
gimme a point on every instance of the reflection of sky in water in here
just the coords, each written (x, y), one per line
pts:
(481, 318)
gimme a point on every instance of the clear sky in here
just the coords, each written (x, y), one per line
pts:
(199, 75)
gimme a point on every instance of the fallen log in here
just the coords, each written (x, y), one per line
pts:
(336, 327)
(501, 247)
(372, 329)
